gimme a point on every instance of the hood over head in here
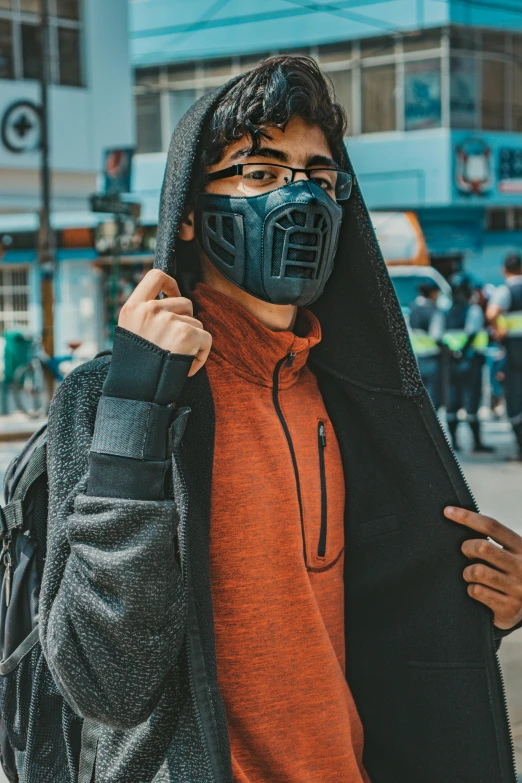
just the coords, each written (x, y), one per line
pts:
(365, 339)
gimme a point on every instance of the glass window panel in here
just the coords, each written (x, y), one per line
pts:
(69, 51)
(378, 99)
(180, 102)
(428, 39)
(517, 98)
(464, 92)
(377, 47)
(147, 76)
(181, 73)
(335, 53)
(218, 67)
(342, 84)
(30, 6)
(6, 49)
(246, 63)
(422, 95)
(148, 121)
(493, 42)
(5, 4)
(68, 9)
(493, 95)
(31, 50)
(464, 38)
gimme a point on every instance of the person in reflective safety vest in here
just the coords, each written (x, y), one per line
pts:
(466, 340)
(505, 315)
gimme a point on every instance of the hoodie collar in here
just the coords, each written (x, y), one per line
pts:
(251, 348)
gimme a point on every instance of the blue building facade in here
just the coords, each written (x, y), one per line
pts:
(432, 89)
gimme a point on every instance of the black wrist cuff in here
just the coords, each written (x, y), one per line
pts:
(140, 370)
(131, 428)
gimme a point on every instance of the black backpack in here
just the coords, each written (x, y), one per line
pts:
(23, 541)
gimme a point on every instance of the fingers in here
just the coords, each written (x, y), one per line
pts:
(154, 281)
(482, 549)
(507, 610)
(481, 574)
(202, 354)
(486, 525)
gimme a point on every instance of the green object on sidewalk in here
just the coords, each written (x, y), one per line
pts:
(17, 351)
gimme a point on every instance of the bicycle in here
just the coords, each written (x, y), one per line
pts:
(30, 387)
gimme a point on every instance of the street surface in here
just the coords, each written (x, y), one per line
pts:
(497, 486)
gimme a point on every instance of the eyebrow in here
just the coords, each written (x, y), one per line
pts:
(282, 157)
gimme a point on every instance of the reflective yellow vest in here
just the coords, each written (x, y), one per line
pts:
(456, 339)
(511, 323)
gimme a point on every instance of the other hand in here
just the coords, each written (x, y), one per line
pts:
(168, 322)
(498, 581)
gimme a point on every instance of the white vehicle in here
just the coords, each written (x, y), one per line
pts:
(407, 279)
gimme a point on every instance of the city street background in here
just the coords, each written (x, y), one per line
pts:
(496, 485)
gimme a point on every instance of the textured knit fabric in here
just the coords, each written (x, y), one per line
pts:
(278, 604)
(420, 653)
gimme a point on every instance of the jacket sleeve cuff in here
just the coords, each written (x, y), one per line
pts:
(140, 370)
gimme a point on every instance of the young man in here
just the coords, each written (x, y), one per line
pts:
(293, 583)
(506, 305)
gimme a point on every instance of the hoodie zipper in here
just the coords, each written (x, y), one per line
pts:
(321, 437)
(288, 360)
(497, 659)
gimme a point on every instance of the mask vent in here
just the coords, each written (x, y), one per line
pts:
(298, 243)
(221, 236)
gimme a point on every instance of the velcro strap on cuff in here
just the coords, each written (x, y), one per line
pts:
(131, 428)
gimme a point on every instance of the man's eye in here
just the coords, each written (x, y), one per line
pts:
(259, 175)
(325, 184)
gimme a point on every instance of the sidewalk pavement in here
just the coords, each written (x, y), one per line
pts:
(18, 426)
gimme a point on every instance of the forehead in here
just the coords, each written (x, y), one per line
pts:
(298, 140)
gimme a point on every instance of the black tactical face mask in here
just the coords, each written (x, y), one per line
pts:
(279, 247)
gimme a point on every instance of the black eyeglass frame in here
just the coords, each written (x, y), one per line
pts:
(237, 170)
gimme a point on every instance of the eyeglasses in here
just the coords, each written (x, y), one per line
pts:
(258, 178)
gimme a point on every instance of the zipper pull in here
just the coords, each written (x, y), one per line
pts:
(8, 563)
(290, 359)
(322, 434)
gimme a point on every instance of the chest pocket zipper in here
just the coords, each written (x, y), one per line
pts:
(321, 440)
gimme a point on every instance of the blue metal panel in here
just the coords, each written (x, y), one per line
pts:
(176, 30)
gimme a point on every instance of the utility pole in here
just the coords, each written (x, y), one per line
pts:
(46, 261)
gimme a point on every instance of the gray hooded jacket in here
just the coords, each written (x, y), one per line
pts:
(126, 613)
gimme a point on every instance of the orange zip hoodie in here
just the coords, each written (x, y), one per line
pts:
(276, 554)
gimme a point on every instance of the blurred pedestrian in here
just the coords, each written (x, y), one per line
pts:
(466, 340)
(427, 323)
(504, 313)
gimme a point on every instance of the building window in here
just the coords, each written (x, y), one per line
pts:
(6, 49)
(148, 123)
(69, 56)
(342, 84)
(378, 99)
(14, 298)
(422, 95)
(180, 102)
(493, 95)
(20, 41)
(464, 92)
(32, 51)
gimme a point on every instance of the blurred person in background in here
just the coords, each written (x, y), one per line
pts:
(252, 570)
(427, 323)
(466, 339)
(504, 313)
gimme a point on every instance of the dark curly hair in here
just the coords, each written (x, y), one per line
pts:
(270, 94)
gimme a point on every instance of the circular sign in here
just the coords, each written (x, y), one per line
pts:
(21, 127)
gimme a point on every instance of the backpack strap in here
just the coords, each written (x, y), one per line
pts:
(12, 515)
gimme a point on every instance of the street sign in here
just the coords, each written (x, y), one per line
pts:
(117, 168)
(113, 205)
(21, 129)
